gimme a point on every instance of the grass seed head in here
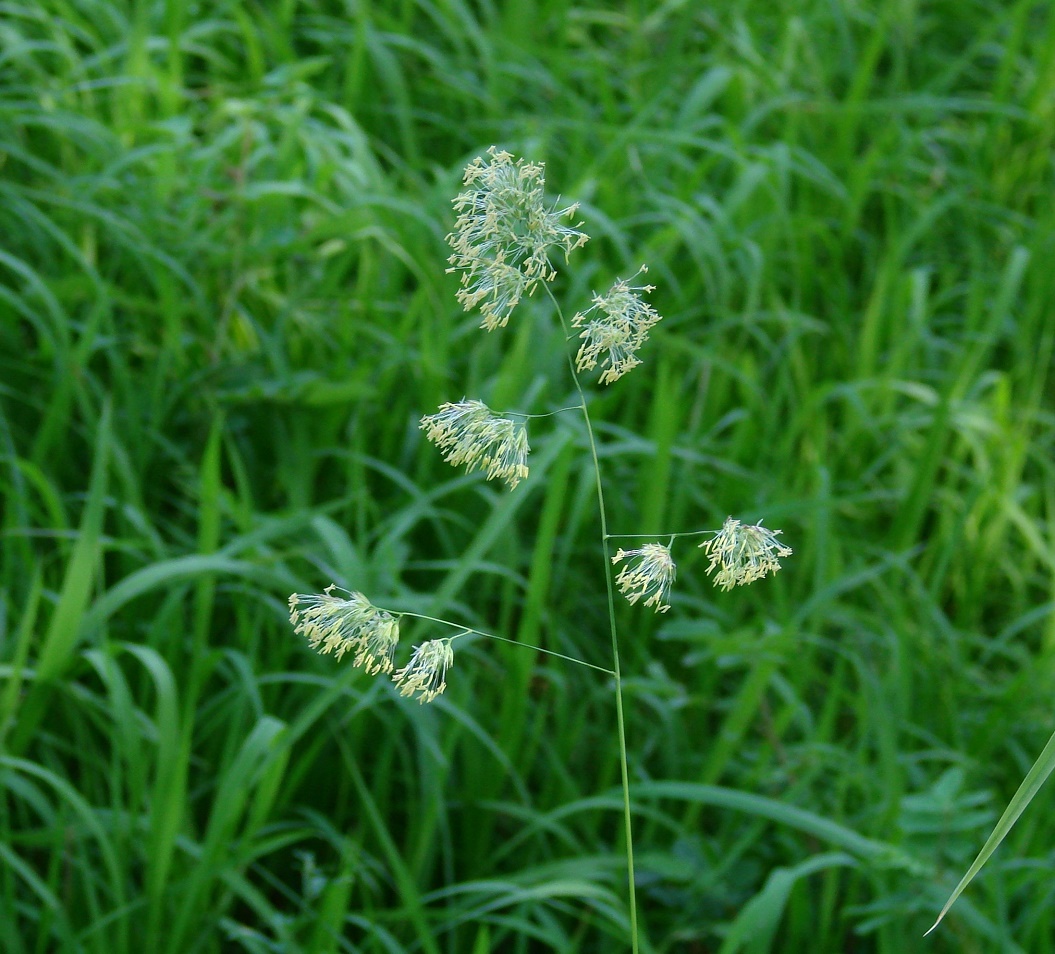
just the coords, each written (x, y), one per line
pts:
(649, 574)
(743, 554)
(621, 327)
(469, 433)
(426, 673)
(335, 625)
(504, 233)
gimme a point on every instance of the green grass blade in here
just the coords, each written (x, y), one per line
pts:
(1031, 784)
(810, 823)
(66, 625)
(756, 925)
(64, 628)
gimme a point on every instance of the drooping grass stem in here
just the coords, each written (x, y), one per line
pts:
(479, 632)
(652, 536)
(621, 723)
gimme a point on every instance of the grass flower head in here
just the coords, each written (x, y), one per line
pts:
(336, 625)
(621, 327)
(503, 235)
(426, 673)
(469, 433)
(743, 554)
(650, 573)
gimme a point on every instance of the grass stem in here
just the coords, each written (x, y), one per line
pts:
(620, 720)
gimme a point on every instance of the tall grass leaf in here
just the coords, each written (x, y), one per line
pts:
(756, 925)
(209, 505)
(66, 625)
(482, 945)
(783, 814)
(15, 672)
(85, 822)
(333, 905)
(742, 712)
(17, 868)
(161, 574)
(57, 331)
(1031, 784)
(410, 895)
(167, 793)
(499, 895)
(61, 636)
(222, 846)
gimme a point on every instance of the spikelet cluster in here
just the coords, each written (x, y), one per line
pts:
(469, 433)
(338, 626)
(502, 242)
(649, 573)
(742, 554)
(504, 233)
(426, 673)
(620, 327)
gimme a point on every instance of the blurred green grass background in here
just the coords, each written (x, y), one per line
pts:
(223, 308)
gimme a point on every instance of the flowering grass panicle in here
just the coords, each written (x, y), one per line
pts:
(650, 573)
(469, 433)
(503, 240)
(622, 327)
(426, 673)
(503, 235)
(743, 554)
(336, 625)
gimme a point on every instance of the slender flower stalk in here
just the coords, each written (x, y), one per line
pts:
(743, 554)
(620, 718)
(469, 433)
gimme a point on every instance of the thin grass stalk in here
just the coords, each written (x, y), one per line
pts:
(623, 763)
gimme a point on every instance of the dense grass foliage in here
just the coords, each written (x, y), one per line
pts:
(223, 308)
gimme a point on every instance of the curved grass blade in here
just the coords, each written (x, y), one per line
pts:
(757, 923)
(1035, 777)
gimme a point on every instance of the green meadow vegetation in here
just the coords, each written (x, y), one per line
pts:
(224, 310)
